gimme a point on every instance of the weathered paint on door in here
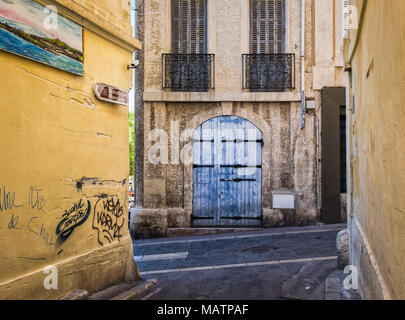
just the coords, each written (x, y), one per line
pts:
(227, 153)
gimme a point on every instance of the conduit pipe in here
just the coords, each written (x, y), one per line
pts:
(303, 107)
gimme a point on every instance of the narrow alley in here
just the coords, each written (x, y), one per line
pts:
(197, 150)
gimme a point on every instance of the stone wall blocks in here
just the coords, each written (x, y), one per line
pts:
(149, 223)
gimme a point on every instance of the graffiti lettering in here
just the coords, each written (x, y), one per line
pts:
(13, 224)
(108, 220)
(35, 200)
(71, 219)
(41, 232)
(7, 200)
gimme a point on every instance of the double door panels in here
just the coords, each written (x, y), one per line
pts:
(227, 153)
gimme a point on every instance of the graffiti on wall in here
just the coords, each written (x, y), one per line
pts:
(35, 199)
(40, 230)
(73, 218)
(30, 216)
(108, 219)
(11, 202)
(8, 200)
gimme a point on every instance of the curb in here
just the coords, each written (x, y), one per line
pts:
(124, 290)
(136, 291)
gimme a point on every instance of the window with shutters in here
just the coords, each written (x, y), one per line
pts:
(189, 26)
(188, 67)
(268, 67)
(267, 26)
(346, 18)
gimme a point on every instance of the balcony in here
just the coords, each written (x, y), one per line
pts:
(268, 72)
(188, 72)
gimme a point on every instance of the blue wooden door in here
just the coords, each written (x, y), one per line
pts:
(227, 153)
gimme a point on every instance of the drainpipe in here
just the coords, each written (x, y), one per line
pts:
(139, 106)
(349, 114)
(133, 19)
(303, 108)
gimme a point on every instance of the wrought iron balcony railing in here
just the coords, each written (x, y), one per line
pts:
(188, 72)
(268, 72)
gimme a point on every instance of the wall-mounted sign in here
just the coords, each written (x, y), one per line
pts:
(39, 33)
(111, 94)
(283, 200)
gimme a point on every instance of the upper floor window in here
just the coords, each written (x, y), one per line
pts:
(267, 68)
(189, 26)
(188, 67)
(267, 26)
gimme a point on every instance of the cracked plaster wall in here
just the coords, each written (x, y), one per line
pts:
(64, 152)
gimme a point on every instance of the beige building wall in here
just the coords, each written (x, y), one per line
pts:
(65, 151)
(290, 153)
(374, 58)
(328, 65)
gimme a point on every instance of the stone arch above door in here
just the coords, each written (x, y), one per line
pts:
(244, 113)
(227, 173)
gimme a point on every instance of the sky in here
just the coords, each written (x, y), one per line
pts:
(30, 13)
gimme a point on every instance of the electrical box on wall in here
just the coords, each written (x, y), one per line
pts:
(311, 105)
(283, 199)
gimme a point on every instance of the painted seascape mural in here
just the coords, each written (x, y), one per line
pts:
(38, 33)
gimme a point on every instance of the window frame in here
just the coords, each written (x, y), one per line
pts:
(284, 29)
(177, 43)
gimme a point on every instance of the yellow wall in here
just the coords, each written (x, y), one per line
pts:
(378, 149)
(55, 136)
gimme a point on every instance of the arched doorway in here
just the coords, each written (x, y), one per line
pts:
(227, 173)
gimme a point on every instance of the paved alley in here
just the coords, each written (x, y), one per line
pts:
(285, 263)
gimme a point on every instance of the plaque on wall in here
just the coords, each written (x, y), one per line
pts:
(111, 94)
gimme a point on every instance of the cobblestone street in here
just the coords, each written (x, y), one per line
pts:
(288, 263)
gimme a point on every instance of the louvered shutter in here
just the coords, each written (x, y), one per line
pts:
(200, 26)
(189, 26)
(279, 26)
(267, 26)
(346, 18)
(175, 26)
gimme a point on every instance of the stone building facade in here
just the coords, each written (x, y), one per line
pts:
(290, 127)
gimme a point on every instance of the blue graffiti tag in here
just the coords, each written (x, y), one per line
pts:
(73, 218)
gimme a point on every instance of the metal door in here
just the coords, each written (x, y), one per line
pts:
(227, 153)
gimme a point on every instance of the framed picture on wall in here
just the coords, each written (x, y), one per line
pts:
(33, 31)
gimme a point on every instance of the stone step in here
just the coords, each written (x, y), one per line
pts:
(124, 290)
(77, 294)
(186, 232)
(309, 282)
